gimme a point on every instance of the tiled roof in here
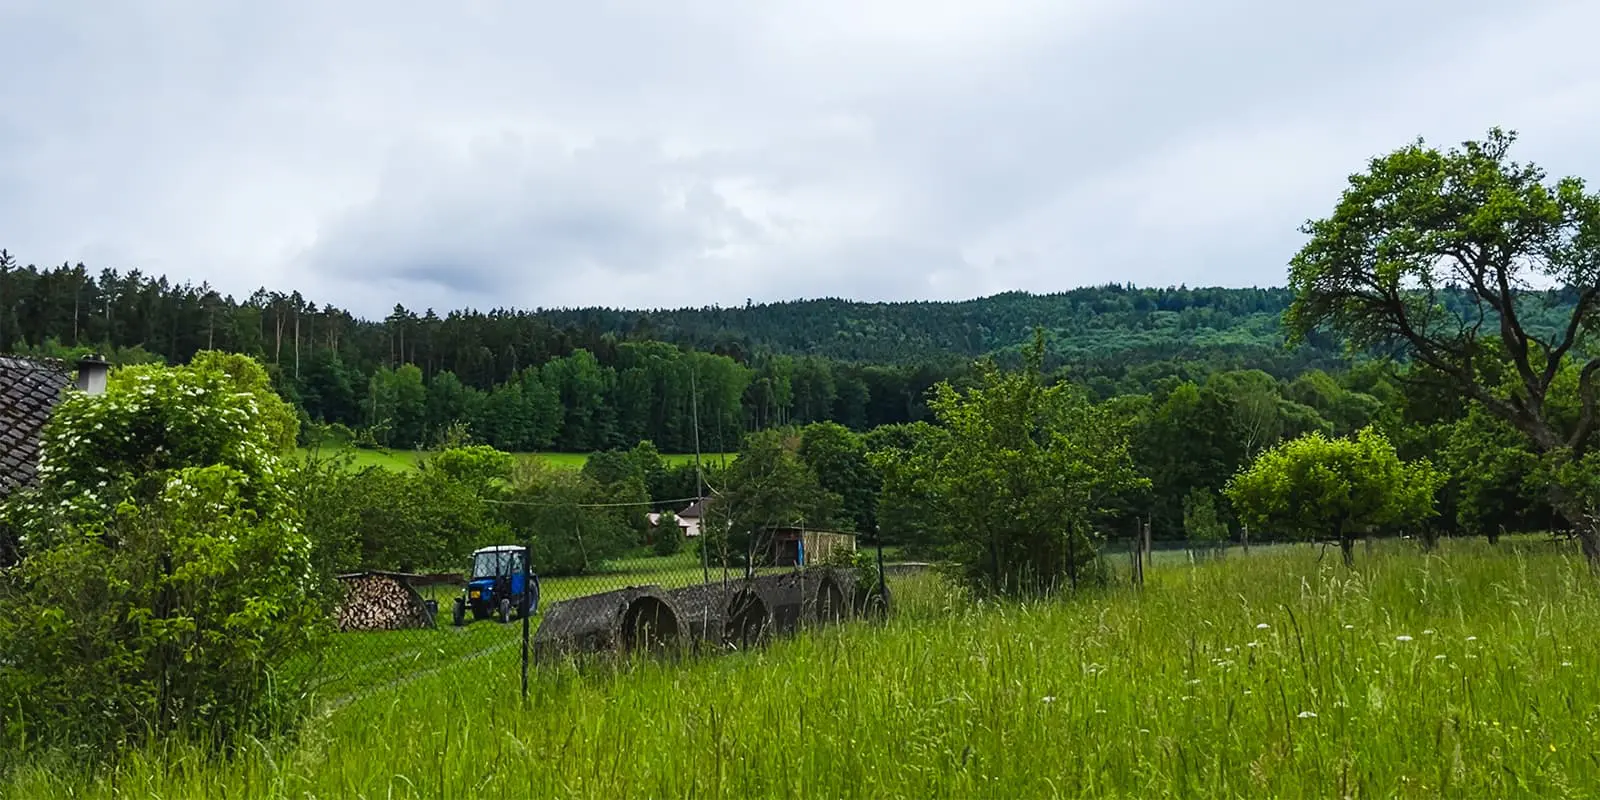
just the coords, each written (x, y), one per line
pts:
(29, 391)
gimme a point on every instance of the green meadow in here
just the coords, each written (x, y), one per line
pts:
(1466, 672)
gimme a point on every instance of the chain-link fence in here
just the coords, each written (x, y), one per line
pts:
(502, 613)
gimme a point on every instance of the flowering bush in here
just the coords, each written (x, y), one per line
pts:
(165, 577)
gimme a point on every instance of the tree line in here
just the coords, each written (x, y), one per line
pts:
(590, 379)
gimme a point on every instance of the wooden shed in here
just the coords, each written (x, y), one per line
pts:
(801, 547)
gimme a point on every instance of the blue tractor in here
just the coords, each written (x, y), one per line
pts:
(501, 585)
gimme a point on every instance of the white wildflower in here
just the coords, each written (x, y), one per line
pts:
(1308, 715)
(1262, 626)
(1402, 638)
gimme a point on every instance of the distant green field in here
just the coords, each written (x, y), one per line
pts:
(407, 459)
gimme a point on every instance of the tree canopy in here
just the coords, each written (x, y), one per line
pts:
(1449, 258)
(1020, 477)
(1314, 486)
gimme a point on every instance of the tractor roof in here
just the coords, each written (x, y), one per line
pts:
(500, 548)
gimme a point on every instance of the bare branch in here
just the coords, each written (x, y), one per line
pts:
(1586, 419)
(1570, 336)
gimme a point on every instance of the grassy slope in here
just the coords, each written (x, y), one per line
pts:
(407, 459)
(1467, 674)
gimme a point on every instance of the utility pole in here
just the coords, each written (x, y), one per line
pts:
(699, 476)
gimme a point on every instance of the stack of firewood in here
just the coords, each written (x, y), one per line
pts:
(377, 602)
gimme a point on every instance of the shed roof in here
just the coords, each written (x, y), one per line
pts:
(29, 391)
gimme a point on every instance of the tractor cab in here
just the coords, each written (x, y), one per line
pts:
(500, 584)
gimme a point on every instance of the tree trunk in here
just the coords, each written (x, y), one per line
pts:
(1589, 539)
(1576, 512)
(1430, 538)
(1495, 533)
(1347, 546)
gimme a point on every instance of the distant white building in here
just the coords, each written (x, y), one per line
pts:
(688, 519)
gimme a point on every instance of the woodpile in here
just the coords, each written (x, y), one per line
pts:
(381, 601)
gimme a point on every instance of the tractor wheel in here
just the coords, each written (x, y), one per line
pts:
(460, 612)
(505, 609)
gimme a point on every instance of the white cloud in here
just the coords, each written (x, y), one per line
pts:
(646, 154)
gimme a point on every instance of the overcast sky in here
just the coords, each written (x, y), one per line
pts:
(644, 154)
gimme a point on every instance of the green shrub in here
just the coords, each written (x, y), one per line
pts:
(165, 577)
(669, 537)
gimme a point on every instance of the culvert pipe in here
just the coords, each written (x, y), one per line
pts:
(628, 620)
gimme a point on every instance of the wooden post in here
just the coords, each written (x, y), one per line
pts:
(1148, 560)
(1135, 561)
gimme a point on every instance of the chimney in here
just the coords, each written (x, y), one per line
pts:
(92, 371)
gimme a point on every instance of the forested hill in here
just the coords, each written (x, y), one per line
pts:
(583, 379)
(1102, 327)
(1083, 323)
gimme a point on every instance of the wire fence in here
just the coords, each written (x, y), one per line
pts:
(500, 612)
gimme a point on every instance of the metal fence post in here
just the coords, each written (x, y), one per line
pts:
(883, 577)
(527, 614)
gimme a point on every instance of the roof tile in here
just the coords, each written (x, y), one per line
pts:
(29, 391)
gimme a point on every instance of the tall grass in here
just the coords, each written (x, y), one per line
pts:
(1466, 673)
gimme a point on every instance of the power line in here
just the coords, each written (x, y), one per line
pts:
(592, 505)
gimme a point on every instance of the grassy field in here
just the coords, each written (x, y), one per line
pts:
(1464, 673)
(407, 459)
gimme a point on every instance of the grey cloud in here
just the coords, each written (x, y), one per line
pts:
(631, 153)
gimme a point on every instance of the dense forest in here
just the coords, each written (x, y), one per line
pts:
(1204, 374)
(589, 379)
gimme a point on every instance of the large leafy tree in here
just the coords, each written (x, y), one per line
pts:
(1435, 255)
(838, 457)
(1190, 441)
(1021, 476)
(905, 511)
(1315, 486)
